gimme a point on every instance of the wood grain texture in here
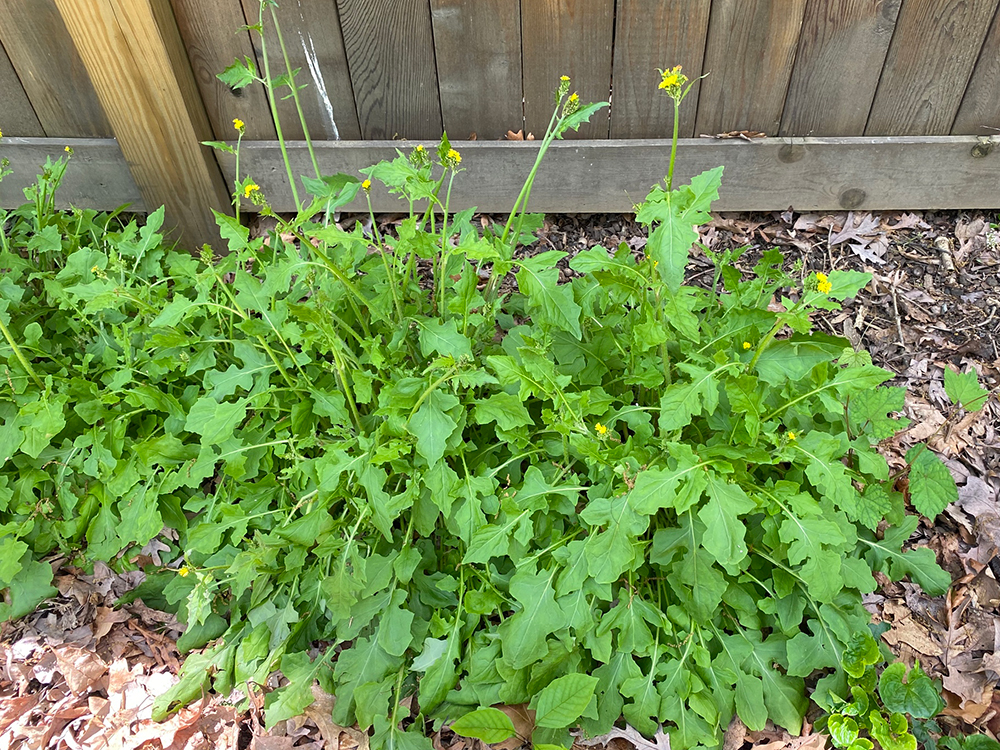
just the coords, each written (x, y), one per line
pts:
(315, 44)
(137, 62)
(930, 59)
(810, 174)
(477, 47)
(97, 178)
(57, 84)
(979, 113)
(651, 34)
(390, 50)
(212, 39)
(566, 37)
(751, 48)
(18, 117)
(842, 48)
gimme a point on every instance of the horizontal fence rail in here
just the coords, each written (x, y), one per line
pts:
(883, 102)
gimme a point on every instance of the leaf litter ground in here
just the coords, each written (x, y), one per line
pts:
(79, 673)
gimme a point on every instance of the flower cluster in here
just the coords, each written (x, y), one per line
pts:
(452, 159)
(601, 429)
(563, 88)
(251, 191)
(419, 157)
(572, 104)
(823, 284)
(673, 82)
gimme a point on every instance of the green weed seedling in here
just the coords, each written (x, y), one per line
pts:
(622, 498)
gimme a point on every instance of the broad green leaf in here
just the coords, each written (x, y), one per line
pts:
(491, 725)
(868, 412)
(523, 633)
(963, 388)
(843, 730)
(563, 700)
(794, 358)
(432, 425)
(678, 212)
(725, 531)
(215, 422)
(932, 487)
(239, 74)
(861, 653)
(444, 338)
(549, 301)
(505, 409)
(292, 700)
(657, 488)
(913, 693)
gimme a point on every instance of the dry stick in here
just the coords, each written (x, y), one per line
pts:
(899, 325)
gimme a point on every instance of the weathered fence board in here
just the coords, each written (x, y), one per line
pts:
(979, 113)
(312, 35)
(211, 51)
(595, 176)
(928, 66)
(18, 116)
(397, 69)
(50, 70)
(842, 48)
(390, 50)
(566, 37)
(478, 53)
(651, 34)
(97, 177)
(751, 47)
(137, 62)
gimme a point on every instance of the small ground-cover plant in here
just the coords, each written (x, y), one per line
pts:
(620, 497)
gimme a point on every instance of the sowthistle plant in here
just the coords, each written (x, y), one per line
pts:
(621, 498)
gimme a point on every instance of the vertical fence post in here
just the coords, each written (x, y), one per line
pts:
(134, 54)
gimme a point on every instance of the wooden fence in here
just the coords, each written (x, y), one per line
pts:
(866, 103)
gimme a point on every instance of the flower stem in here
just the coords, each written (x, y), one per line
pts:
(20, 355)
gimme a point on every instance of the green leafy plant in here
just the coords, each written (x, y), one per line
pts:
(879, 706)
(418, 466)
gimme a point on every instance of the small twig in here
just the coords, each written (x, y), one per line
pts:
(977, 324)
(899, 325)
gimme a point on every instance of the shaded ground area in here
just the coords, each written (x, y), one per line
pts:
(80, 674)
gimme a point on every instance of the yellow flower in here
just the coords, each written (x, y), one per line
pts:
(672, 81)
(452, 159)
(747, 344)
(182, 572)
(564, 79)
(1, 134)
(68, 150)
(601, 429)
(791, 435)
(574, 97)
(239, 125)
(366, 185)
(250, 188)
(420, 147)
(94, 270)
(824, 286)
